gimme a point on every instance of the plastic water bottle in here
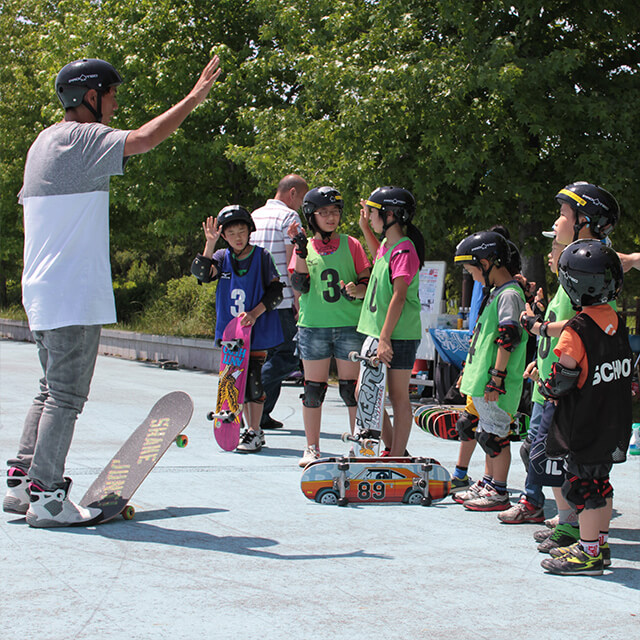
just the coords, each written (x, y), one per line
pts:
(634, 443)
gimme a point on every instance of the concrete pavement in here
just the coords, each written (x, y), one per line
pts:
(225, 545)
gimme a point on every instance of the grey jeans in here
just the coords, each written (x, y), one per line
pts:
(68, 357)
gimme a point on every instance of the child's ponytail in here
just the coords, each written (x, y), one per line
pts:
(414, 234)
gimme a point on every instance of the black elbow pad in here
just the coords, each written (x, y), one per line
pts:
(273, 295)
(201, 268)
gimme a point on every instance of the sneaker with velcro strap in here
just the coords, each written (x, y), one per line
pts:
(576, 561)
(605, 550)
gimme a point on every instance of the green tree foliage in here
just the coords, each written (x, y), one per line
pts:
(160, 48)
(484, 109)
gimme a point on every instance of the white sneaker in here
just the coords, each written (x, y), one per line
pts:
(17, 498)
(310, 454)
(54, 509)
(251, 442)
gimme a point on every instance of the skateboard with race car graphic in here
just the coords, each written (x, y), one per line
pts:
(234, 361)
(371, 392)
(440, 421)
(375, 480)
(120, 479)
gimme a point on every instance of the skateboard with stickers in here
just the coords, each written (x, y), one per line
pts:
(440, 421)
(375, 480)
(120, 479)
(371, 392)
(234, 361)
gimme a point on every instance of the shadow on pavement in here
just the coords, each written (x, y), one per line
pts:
(136, 531)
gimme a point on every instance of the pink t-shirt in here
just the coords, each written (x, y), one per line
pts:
(360, 260)
(404, 262)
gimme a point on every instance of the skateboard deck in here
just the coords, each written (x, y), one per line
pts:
(234, 360)
(440, 421)
(371, 391)
(375, 480)
(119, 480)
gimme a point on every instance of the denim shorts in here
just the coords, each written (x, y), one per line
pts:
(404, 353)
(319, 343)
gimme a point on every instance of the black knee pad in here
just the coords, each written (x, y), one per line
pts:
(586, 493)
(491, 444)
(348, 392)
(314, 393)
(466, 426)
(253, 391)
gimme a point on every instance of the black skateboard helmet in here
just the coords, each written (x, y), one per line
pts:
(76, 78)
(595, 203)
(320, 197)
(395, 199)
(235, 213)
(590, 272)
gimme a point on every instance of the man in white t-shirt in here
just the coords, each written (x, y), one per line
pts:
(66, 280)
(272, 221)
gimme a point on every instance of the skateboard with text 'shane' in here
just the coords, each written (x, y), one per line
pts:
(375, 480)
(135, 459)
(371, 391)
(234, 361)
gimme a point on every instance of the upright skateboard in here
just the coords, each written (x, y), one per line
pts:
(135, 459)
(343, 480)
(234, 360)
(370, 408)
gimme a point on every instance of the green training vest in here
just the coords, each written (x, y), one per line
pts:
(323, 305)
(482, 357)
(559, 309)
(378, 298)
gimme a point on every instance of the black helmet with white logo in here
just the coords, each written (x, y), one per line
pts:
(594, 203)
(76, 78)
(590, 272)
(395, 199)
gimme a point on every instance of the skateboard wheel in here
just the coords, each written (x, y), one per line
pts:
(353, 356)
(343, 502)
(210, 415)
(426, 501)
(421, 483)
(327, 497)
(128, 512)
(415, 497)
(182, 440)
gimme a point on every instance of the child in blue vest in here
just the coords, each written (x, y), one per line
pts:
(249, 287)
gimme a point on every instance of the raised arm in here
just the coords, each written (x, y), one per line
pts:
(161, 127)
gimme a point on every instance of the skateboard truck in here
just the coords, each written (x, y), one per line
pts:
(230, 345)
(370, 361)
(423, 483)
(365, 440)
(342, 482)
(223, 416)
